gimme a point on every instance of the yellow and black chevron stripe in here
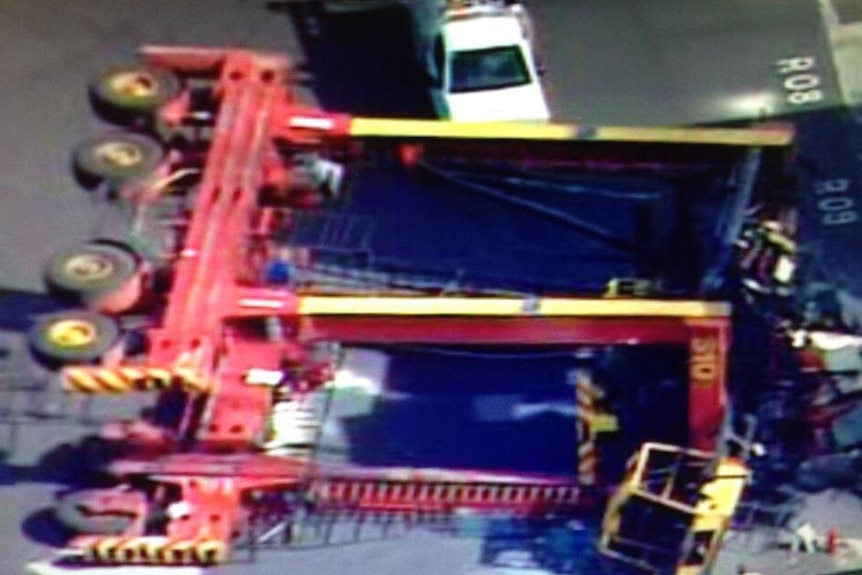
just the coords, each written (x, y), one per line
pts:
(191, 379)
(119, 380)
(153, 551)
(587, 462)
(129, 552)
(587, 395)
(177, 553)
(210, 552)
(105, 550)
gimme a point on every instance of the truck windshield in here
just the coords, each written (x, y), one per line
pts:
(488, 69)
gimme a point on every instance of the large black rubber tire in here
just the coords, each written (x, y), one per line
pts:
(90, 270)
(92, 164)
(72, 512)
(104, 334)
(113, 104)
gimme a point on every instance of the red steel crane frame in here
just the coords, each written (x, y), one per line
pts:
(258, 114)
(199, 340)
(258, 110)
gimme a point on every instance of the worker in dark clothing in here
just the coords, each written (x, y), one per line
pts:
(767, 259)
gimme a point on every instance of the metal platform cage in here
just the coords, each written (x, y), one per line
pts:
(672, 509)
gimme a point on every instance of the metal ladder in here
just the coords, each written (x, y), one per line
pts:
(417, 496)
(341, 510)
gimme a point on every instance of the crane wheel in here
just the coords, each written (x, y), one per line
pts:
(74, 513)
(127, 95)
(101, 277)
(117, 159)
(73, 337)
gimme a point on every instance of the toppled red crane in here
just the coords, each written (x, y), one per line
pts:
(244, 158)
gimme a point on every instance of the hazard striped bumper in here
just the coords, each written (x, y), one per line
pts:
(120, 380)
(149, 551)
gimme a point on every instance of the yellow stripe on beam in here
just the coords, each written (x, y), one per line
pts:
(113, 382)
(431, 129)
(513, 307)
(715, 136)
(159, 373)
(191, 379)
(133, 373)
(80, 380)
(385, 127)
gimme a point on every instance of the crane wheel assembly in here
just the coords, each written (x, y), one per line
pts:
(115, 159)
(126, 95)
(99, 276)
(73, 337)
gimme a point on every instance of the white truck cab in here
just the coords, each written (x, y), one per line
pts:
(481, 64)
(478, 57)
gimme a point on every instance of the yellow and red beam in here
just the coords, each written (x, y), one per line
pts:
(388, 128)
(382, 319)
(478, 320)
(708, 350)
(535, 145)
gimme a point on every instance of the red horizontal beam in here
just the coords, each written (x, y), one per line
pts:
(488, 330)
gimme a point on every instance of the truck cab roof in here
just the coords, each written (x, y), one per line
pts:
(480, 25)
(475, 33)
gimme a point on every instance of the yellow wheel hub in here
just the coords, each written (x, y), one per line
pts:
(72, 333)
(120, 154)
(89, 267)
(134, 84)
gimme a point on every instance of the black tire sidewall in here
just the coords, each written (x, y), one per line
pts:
(90, 169)
(107, 336)
(61, 283)
(107, 99)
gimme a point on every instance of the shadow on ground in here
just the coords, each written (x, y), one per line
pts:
(18, 308)
(68, 464)
(362, 62)
(42, 527)
(555, 545)
(65, 467)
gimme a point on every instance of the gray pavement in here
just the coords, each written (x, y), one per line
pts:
(663, 61)
(673, 61)
(50, 49)
(843, 24)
